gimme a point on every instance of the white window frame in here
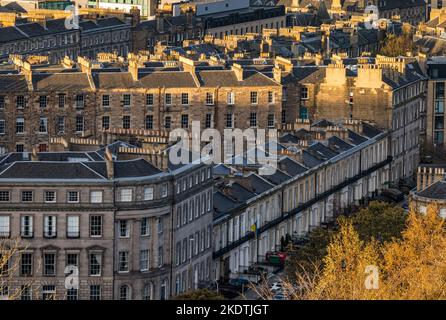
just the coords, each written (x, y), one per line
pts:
(50, 229)
(96, 196)
(26, 230)
(148, 193)
(126, 195)
(68, 196)
(144, 260)
(73, 226)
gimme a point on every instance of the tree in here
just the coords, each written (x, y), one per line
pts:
(394, 46)
(415, 267)
(10, 251)
(379, 221)
(412, 266)
(343, 274)
(309, 255)
(200, 294)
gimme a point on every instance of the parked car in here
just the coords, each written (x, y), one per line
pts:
(276, 258)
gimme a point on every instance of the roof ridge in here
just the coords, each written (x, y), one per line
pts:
(98, 174)
(21, 31)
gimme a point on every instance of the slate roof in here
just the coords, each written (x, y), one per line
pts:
(227, 78)
(432, 45)
(75, 81)
(310, 161)
(370, 131)
(259, 185)
(13, 82)
(412, 74)
(125, 169)
(222, 204)
(289, 138)
(134, 168)
(33, 29)
(400, 4)
(168, 79)
(9, 34)
(278, 177)
(48, 170)
(355, 138)
(238, 193)
(106, 80)
(319, 151)
(291, 167)
(72, 165)
(233, 195)
(221, 169)
(91, 25)
(435, 191)
(338, 145)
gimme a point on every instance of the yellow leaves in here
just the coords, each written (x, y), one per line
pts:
(413, 267)
(417, 264)
(345, 264)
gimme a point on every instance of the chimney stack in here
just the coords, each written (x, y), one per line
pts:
(109, 163)
(34, 156)
(277, 74)
(238, 70)
(85, 64)
(133, 68)
(188, 64)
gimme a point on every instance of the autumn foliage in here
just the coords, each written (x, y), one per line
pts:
(409, 267)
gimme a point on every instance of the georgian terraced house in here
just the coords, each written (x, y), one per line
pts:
(40, 102)
(390, 92)
(124, 223)
(54, 39)
(332, 168)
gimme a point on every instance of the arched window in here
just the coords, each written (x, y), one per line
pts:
(147, 292)
(124, 292)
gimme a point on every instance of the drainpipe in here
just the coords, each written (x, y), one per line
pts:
(115, 209)
(171, 246)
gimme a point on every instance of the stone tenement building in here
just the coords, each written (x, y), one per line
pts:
(410, 11)
(245, 21)
(52, 38)
(431, 189)
(42, 101)
(435, 120)
(133, 230)
(413, 12)
(390, 92)
(324, 169)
